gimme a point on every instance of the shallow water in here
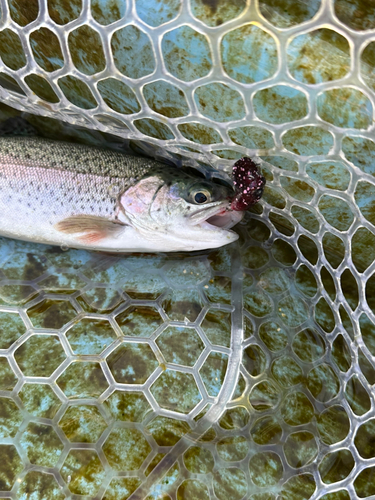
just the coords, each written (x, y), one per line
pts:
(191, 375)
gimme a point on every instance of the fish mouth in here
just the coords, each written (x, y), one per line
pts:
(217, 216)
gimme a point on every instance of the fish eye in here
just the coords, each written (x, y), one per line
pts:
(201, 197)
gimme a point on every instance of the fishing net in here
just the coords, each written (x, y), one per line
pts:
(245, 372)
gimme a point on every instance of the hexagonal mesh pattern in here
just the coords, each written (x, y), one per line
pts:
(241, 373)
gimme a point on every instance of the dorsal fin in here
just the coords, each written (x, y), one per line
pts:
(17, 126)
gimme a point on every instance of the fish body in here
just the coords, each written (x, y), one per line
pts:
(84, 197)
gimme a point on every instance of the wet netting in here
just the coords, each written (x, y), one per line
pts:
(240, 373)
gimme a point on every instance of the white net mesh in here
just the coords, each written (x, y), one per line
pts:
(114, 369)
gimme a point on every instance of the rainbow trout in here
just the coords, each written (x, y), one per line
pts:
(85, 197)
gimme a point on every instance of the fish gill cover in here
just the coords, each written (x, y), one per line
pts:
(241, 373)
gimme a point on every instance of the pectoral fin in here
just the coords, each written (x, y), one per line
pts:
(93, 228)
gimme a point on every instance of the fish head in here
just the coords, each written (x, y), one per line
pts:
(179, 210)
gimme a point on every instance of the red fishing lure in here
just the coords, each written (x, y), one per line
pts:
(248, 183)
